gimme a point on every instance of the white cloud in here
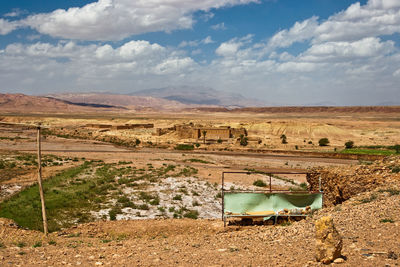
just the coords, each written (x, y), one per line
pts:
(70, 66)
(207, 40)
(336, 66)
(219, 26)
(118, 19)
(347, 51)
(230, 48)
(16, 12)
(376, 18)
(300, 32)
(7, 26)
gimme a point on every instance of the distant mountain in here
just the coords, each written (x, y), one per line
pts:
(199, 95)
(389, 103)
(120, 100)
(24, 103)
(321, 104)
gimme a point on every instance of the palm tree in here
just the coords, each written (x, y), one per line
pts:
(204, 132)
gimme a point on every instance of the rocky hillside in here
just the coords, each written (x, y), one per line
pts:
(200, 96)
(127, 101)
(305, 109)
(340, 184)
(24, 103)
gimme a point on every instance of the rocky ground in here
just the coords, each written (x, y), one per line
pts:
(339, 184)
(369, 227)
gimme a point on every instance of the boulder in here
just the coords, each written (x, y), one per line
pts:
(328, 240)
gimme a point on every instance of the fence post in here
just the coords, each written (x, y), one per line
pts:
(39, 159)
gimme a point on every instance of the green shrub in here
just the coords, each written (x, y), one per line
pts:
(177, 197)
(21, 244)
(396, 169)
(184, 147)
(143, 207)
(37, 244)
(192, 214)
(397, 148)
(323, 142)
(114, 212)
(259, 183)
(349, 144)
(386, 221)
(243, 140)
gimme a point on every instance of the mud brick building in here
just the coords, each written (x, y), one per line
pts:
(191, 132)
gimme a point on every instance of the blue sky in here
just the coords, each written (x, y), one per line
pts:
(282, 52)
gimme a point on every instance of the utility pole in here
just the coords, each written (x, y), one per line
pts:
(39, 152)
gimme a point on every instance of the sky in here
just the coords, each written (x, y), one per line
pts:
(281, 52)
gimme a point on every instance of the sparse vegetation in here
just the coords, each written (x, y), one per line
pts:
(259, 183)
(323, 142)
(184, 147)
(386, 221)
(192, 214)
(198, 160)
(371, 198)
(243, 140)
(349, 144)
(37, 244)
(177, 197)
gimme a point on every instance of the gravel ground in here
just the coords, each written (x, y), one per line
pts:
(369, 224)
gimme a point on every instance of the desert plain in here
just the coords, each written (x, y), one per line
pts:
(151, 196)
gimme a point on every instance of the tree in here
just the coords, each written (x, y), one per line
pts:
(243, 140)
(204, 132)
(323, 142)
(349, 144)
(283, 138)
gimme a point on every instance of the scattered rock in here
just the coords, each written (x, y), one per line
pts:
(392, 255)
(328, 241)
(339, 260)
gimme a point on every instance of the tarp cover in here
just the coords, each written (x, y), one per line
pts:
(242, 203)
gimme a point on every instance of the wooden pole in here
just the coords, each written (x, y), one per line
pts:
(40, 182)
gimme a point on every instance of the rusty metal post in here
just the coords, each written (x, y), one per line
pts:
(39, 159)
(222, 195)
(270, 183)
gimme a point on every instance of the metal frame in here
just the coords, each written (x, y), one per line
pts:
(223, 217)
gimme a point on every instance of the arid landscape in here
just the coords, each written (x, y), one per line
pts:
(200, 133)
(144, 188)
